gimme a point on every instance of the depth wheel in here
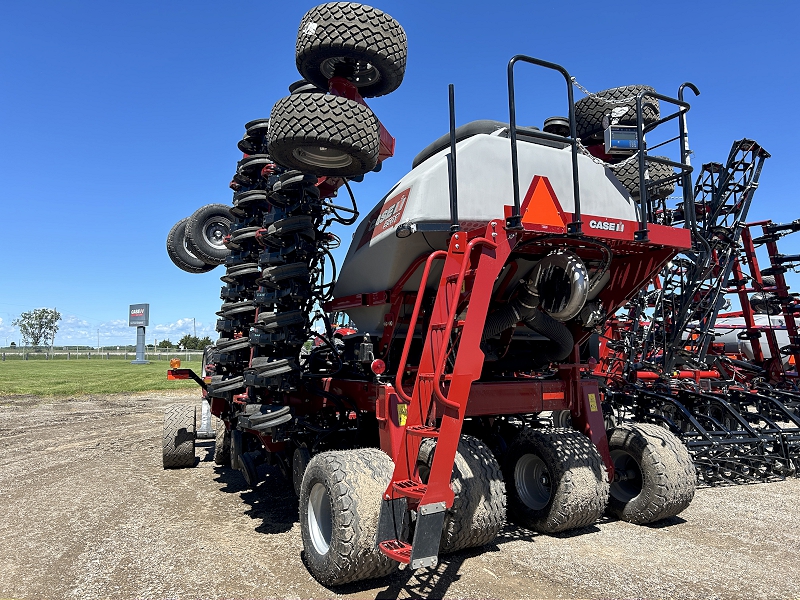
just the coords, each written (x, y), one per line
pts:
(340, 500)
(654, 475)
(479, 508)
(355, 41)
(555, 480)
(324, 135)
(206, 230)
(179, 252)
(180, 426)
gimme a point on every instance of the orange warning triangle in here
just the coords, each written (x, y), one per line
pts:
(540, 206)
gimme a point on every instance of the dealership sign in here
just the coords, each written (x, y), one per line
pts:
(139, 315)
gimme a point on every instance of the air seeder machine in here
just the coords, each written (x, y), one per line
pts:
(474, 287)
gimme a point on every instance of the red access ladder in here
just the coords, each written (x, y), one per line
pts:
(471, 267)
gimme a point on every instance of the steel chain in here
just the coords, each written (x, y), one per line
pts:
(603, 163)
(593, 95)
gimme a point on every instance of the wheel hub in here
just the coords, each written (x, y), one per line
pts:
(359, 72)
(320, 521)
(215, 233)
(533, 481)
(321, 156)
(628, 481)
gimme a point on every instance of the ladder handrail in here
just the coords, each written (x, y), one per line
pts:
(401, 366)
(439, 364)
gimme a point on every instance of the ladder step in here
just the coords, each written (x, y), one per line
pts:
(396, 550)
(441, 326)
(410, 488)
(468, 274)
(446, 377)
(422, 431)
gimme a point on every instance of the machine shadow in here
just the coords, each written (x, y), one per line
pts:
(272, 501)
(205, 450)
(274, 505)
(435, 582)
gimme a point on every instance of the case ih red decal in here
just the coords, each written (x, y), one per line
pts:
(385, 216)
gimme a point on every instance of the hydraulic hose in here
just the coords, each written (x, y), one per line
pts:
(561, 340)
(519, 309)
(525, 308)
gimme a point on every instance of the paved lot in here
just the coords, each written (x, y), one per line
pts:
(88, 512)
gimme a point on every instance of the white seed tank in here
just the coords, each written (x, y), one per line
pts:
(377, 258)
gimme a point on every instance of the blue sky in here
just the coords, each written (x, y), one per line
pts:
(118, 119)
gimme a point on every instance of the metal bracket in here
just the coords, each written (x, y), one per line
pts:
(427, 535)
(392, 520)
(429, 509)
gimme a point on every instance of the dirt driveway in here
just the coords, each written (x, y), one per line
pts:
(86, 511)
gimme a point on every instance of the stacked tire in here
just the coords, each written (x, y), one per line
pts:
(196, 244)
(274, 252)
(617, 106)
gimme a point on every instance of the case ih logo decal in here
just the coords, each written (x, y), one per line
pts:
(385, 216)
(607, 225)
(139, 315)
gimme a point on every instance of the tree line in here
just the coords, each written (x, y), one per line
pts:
(38, 327)
(187, 342)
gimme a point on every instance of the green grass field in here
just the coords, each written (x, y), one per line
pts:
(75, 378)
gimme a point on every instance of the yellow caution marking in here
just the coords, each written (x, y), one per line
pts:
(592, 403)
(402, 414)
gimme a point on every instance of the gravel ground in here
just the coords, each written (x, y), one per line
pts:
(88, 512)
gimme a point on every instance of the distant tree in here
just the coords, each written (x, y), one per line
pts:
(189, 342)
(38, 325)
(165, 344)
(13, 345)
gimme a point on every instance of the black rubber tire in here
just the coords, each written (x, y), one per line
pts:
(305, 87)
(578, 481)
(231, 345)
(479, 509)
(230, 309)
(302, 124)
(222, 445)
(350, 32)
(664, 475)
(249, 202)
(249, 470)
(275, 275)
(269, 320)
(561, 418)
(346, 488)
(300, 459)
(589, 111)
(251, 166)
(180, 427)
(179, 252)
(233, 384)
(241, 272)
(300, 224)
(628, 175)
(764, 303)
(205, 231)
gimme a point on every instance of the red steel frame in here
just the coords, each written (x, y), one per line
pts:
(775, 364)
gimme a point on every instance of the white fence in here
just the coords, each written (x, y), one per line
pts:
(82, 354)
